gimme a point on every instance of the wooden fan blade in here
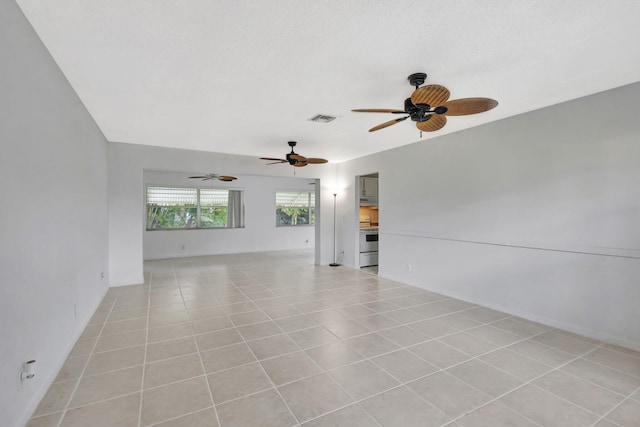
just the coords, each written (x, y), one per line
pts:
(274, 159)
(298, 157)
(432, 94)
(377, 110)
(465, 106)
(275, 163)
(198, 177)
(316, 160)
(300, 164)
(387, 124)
(436, 122)
(226, 178)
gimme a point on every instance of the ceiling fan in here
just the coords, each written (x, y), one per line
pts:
(429, 107)
(295, 159)
(209, 176)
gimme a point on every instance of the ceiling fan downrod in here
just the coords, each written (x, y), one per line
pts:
(417, 79)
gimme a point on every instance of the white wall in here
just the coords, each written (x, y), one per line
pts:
(53, 224)
(259, 234)
(536, 215)
(126, 216)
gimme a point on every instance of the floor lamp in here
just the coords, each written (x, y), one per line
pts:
(335, 261)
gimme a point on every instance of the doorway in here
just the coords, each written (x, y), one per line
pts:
(368, 222)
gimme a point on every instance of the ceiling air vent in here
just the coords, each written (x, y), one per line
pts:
(322, 118)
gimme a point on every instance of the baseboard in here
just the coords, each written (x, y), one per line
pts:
(600, 336)
(137, 281)
(202, 254)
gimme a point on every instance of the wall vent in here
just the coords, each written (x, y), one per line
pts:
(322, 118)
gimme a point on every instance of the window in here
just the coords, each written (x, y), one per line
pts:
(186, 208)
(295, 208)
(213, 208)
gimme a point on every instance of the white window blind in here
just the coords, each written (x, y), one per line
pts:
(165, 196)
(211, 197)
(295, 199)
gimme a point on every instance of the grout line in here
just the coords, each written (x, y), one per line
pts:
(624, 396)
(612, 368)
(144, 360)
(183, 415)
(267, 375)
(85, 375)
(365, 358)
(603, 417)
(528, 383)
(443, 370)
(84, 405)
(204, 371)
(608, 347)
(471, 358)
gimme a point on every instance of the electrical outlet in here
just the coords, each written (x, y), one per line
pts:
(409, 267)
(102, 275)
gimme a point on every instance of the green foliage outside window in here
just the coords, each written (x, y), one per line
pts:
(212, 217)
(168, 217)
(186, 208)
(295, 208)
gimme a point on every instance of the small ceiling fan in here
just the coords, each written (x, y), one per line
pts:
(209, 176)
(429, 107)
(295, 159)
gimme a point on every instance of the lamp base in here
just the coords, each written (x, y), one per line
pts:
(333, 264)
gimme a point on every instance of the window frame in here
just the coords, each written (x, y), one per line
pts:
(311, 208)
(198, 206)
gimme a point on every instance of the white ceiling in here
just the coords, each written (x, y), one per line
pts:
(244, 77)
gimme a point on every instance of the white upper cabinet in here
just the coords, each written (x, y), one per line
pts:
(368, 187)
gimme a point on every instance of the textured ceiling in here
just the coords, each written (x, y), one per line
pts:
(243, 77)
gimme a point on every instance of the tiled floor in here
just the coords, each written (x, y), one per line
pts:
(272, 340)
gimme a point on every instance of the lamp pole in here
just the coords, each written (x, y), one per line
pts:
(335, 261)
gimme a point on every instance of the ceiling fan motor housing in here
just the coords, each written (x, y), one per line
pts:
(421, 112)
(290, 160)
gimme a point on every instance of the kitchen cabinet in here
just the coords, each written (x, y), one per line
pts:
(368, 259)
(368, 187)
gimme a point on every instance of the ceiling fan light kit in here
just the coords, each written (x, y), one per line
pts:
(429, 106)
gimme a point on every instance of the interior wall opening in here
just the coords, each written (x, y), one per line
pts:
(368, 222)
